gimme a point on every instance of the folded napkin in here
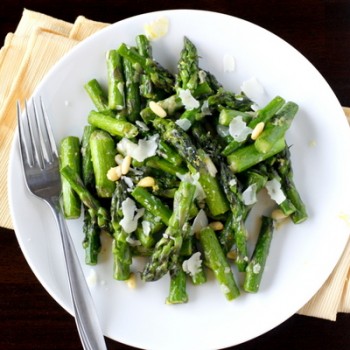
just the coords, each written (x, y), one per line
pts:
(27, 54)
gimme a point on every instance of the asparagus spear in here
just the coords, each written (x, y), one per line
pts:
(97, 95)
(159, 76)
(239, 210)
(256, 266)
(116, 81)
(227, 99)
(152, 203)
(133, 98)
(121, 249)
(96, 209)
(263, 116)
(198, 160)
(248, 156)
(187, 76)
(70, 156)
(166, 252)
(147, 88)
(88, 175)
(216, 260)
(114, 126)
(275, 130)
(267, 112)
(284, 168)
(177, 290)
(103, 152)
(162, 164)
(92, 241)
(169, 153)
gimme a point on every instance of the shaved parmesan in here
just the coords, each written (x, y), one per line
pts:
(238, 129)
(199, 222)
(249, 195)
(157, 28)
(188, 100)
(140, 151)
(274, 190)
(229, 63)
(183, 123)
(254, 90)
(193, 265)
(130, 215)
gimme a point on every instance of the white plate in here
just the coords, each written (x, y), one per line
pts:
(301, 257)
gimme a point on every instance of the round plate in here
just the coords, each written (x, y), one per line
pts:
(301, 257)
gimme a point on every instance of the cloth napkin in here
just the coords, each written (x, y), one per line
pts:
(38, 42)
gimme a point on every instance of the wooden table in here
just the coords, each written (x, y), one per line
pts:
(29, 317)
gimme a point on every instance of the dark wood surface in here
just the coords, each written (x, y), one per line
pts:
(29, 317)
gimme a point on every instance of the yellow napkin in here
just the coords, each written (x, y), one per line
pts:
(40, 41)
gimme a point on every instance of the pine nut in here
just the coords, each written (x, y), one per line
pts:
(216, 225)
(114, 173)
(232, 255)
(157, 109)
(147, 181)
(125, 166)
(258, 130)
(278, 214)
(131, 282)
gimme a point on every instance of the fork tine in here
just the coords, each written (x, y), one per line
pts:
(35, 134)
(23, 130)
(49, 139)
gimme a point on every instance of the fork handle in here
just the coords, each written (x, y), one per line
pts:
(85, 314)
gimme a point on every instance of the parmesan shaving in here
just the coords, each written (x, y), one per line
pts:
(157, 28)
(254, 90)
(249, 195)
(130, 215)
(184, 123)
(193, 265)
(238, 129)
(199, 222)
(188, 100)
(274, 190)
(140, 151)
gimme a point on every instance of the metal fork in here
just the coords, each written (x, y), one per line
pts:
(41, 171)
